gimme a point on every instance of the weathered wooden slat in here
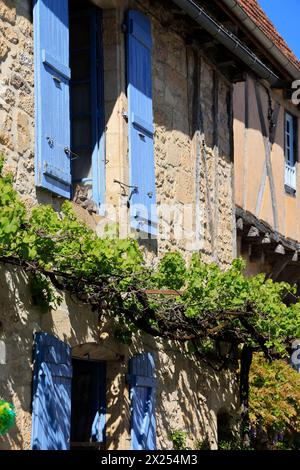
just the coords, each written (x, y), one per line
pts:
(268, 171)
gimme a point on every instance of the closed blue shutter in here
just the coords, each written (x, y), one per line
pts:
(52, 96)
(51, 407)
(140, 118)
(142, 393)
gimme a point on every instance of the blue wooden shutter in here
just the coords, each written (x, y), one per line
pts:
(140, 118)
(52, 96)
(142, 393)
(51, 407)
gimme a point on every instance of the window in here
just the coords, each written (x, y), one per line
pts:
(69, 99)
(290, 152)
(88, 404)
(86, 99)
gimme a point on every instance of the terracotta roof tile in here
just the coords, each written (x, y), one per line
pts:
(259, 17)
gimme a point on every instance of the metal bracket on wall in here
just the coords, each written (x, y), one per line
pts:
(125, 187)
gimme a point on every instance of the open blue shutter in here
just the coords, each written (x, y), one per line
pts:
(52, 95)
(142, 393)
(140, 120)
(51, 407)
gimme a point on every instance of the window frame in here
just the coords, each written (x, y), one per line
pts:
(290, 151)
(292, 120)
(98, 158)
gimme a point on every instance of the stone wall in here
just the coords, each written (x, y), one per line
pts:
(192, 117)
(17, 94)
(189, 394)
(192, 130)
(194, 172)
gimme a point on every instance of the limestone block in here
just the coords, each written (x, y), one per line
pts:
(23, 132)
(173, 154)
(5, 140)
(10, 34)
(19, 83)
(24, 26)
(4, 48)
(26, 103)
(8, 11)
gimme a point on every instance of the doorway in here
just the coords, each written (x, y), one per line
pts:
(88, 412)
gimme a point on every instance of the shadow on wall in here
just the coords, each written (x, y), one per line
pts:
(19, 320)
(189, 394)
(189, 99)
(183, 92)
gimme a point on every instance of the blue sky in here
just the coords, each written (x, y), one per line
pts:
(285, 15)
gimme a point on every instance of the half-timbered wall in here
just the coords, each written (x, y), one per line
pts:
(267, 200)
(259, 114)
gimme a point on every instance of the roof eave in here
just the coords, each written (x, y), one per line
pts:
(252, 27)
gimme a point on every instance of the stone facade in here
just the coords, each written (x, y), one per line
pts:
(192, 114)
(192, 155)
(189, 394)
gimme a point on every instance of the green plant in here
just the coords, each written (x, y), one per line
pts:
(203, 445)
(43, 293)
(60, 253)
(7, 417)
(274, 400)
(179, 439)
(232, 445)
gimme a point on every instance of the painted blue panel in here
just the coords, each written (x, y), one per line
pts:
(142, 393)
(51, 406)
(52, 96)
(141, 130)
(55, 65)
(97, 96)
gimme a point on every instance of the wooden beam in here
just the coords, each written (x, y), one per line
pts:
(226, 63)
(240, 224)
(250, 220)
(279, 267)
